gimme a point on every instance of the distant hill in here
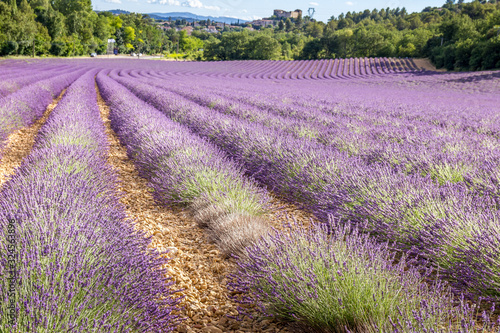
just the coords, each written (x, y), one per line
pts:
(117, 11)
(190, 17)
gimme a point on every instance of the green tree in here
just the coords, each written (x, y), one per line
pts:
(42, 40)
(286, 51)
(368, 42)
(115, 22)
(234, 45)
(66, 7)
(345, 41)
(281, 26)
(458, 27)
(315, 29)
(102, 28)
(212, 49)
(25, 28)
(52, 20)
(463, 53)
(129, 34)
(312, 50)
(39, 4)
(299, 21)
(408, 50)
(263, 47)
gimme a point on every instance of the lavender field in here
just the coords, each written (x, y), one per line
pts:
(398, 166)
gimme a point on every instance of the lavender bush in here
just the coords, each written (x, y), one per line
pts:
(15, 80)
(184, 169)
(398, 206)
(73, 261)
(337, 279)
(408, 156)
(26, 105)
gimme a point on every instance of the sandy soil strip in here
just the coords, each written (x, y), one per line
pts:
(21, 142)
(197, 265)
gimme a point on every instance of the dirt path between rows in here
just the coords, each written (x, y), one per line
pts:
(197, 265)
(20, 143)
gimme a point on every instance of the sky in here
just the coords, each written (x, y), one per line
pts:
(256, 9)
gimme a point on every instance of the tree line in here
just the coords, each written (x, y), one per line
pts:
(462, 36)
(72, 28)
(457, 35)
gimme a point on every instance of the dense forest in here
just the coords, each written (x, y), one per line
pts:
(71, 27)
(458, 35)
(455, 36)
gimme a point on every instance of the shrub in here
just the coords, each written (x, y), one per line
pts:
(336, 279)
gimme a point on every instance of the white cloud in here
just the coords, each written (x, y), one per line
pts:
(192, 4)
(166, 2)
(313, 4)
(198, 4)
(113, 1)
(212, 7)
(251, 18)
(349, 3)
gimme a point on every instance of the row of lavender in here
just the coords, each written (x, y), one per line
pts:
(443, 217)
(182, 169)
(446, 153)
(185, 170)
(26, 105)
(296, 70)
(384, 285)
(444, 100)
(374, 139)
(18, 77)
(70, 260)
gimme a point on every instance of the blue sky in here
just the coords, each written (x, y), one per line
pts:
(259, 8)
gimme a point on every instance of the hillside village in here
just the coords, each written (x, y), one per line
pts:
(214, 27)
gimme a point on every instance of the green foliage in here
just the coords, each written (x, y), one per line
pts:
(67, 7)
(263, 47)
(457, 36)
(129, 33)
(190, 44)
(243, 46)
(340, 281)
(72, 28)
(9, 48)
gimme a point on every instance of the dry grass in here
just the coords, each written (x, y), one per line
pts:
(234, 232)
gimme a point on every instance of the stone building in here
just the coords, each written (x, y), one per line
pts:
(284, 14)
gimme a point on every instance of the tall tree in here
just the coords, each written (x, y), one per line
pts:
(263, 47)
(298, 21)
(66, 7)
